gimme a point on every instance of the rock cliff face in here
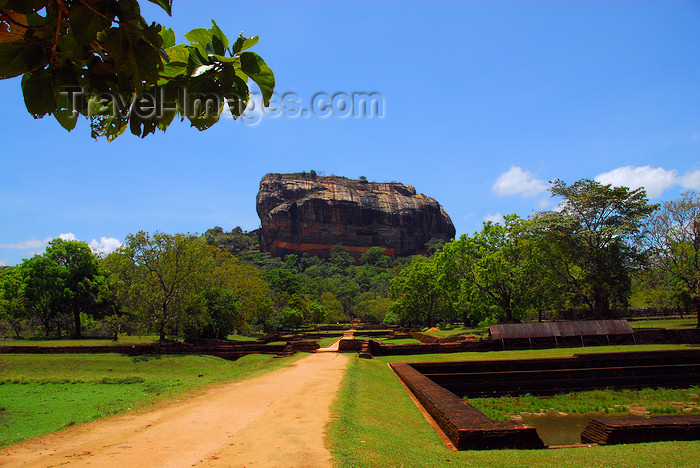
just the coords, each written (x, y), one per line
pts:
(311, 214)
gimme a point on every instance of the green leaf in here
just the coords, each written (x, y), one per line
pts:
(23, 6)
(256, 68)
(109, 126)
(218, 46)
(167, 101)
(219, 35)
(67, 118)
(205, 102)
(19, 58)
(195, 60)
(39, 95)
(168, 36)
(200, 37)
(178, 54)
(177, 64)
(86, 22)
(69, 47)
(133, 56)
(34, 20)
(243, 43)
(166, 5)
(235, 90)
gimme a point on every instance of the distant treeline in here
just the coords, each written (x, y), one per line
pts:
(600, 250)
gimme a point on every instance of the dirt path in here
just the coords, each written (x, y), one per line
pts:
(278, 419)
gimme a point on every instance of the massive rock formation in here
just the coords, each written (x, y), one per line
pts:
(305, 213)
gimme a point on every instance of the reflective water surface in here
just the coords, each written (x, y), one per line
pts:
(555, 429)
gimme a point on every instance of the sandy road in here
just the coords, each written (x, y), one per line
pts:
(278, 419)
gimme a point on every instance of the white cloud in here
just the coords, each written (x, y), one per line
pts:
(494, 218)
(544, 203)
(3, 262)
(654, 179)
(690, 180)
(105, 246)
(30, 244)
(517, 181)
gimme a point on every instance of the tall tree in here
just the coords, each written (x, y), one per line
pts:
(12, 306)
(44, 286)
(673, 241)
(81, 279)
(103, 60)
(251, 291)
(496, 272)
(419, 296)
(164, 273)
(593, 237)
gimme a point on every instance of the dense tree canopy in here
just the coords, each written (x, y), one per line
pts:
(673, 241)
(592, 240)
(164, 275)
(103, 60)
(420, 299)
(577, 258)
(496, 272)
(81, 281)
(59, 288)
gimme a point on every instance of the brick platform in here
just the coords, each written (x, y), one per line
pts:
(437, 384)
(635, 429)
(467, 427)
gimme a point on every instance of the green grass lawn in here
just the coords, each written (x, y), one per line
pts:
(670, 324)
(123, 341)
(327, 341)
(241, 338)
(654, 400)
(377, 424)
(44, 393)
(529, 354)
(482, 332)
(400, 341)
(460, 330)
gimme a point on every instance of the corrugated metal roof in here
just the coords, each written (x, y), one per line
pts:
(551, 329)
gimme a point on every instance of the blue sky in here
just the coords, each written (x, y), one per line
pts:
(484, 102)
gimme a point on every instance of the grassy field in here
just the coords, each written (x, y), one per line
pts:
(241, 338)
(400, 341)
(377, 424)
(123, 341)
(478, 332)
(327, 341)
(669, 324)
(44, 393)
(529, 354)
(653, 400)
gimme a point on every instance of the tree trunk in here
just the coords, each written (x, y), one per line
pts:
(17, 326)
(76, 321)
(601, 304)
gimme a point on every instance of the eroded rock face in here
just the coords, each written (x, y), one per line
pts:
(311, 214)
